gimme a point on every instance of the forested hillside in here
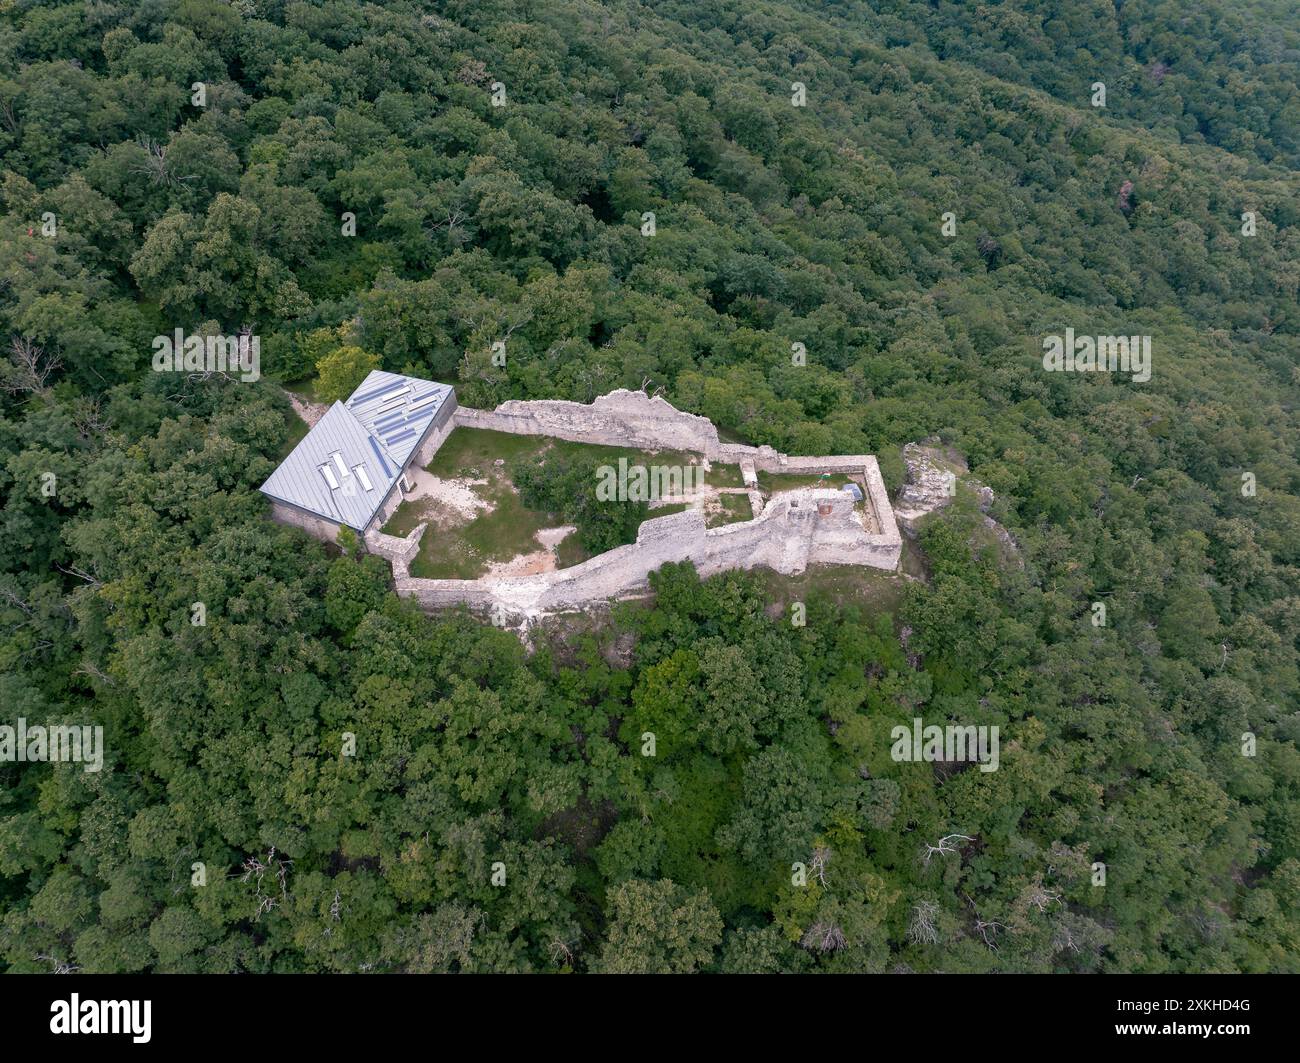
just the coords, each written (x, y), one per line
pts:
(497, 813)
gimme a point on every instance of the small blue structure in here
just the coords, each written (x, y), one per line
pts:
(853, 491)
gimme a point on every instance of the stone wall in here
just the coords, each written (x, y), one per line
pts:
(401, 552)
(620, 419)
(388, 507)
(321, 528)
(437, 432)
(790, 534)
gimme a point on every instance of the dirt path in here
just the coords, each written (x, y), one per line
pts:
(537, 561)
(457, 495)
(310, 412)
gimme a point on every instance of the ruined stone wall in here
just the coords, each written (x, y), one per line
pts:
(764, 457)
(787, 537)
(634, 419)
(620, 419)
(401, 552)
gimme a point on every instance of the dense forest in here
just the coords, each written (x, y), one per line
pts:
(412, 181)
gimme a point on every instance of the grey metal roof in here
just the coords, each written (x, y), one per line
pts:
(396, 409)
(366, 441)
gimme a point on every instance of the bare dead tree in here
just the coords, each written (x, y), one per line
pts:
(336, 909)
(454, 223)
(58, 966)
(475, 323)
(945, 845)
(645, 381)
(821, 858)
(587, 374)
(823, 937)
(921, 928)
(1063, 938)
(437, 940)
(1041, 897)
(156, 167)
(74, 571)
(1209, 925)
(988, 931)
(9, 595)
(30, 368)
(89, 417)
(89, 668)
(178, 882)
(986, 928)
(255, 869)
(474, 365)
(517, 325)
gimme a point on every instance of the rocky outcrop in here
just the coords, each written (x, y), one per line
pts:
(933, 475)
(931, 483)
